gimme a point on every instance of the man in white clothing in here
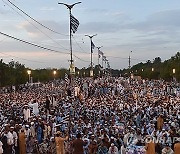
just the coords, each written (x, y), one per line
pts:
(35, 107)
(113, 149)
(26, 113)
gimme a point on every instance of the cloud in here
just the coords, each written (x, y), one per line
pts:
(159, 21)
(36, 31)
(45, 8)
(98, 27)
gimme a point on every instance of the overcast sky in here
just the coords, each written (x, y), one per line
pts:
(149, 28)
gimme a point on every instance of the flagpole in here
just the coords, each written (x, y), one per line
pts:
(70, 31)
(98, 56)
(91, 36)
(102, 62)
(70, 37)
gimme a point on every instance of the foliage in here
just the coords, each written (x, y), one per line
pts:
(162, 70)
(15, 73)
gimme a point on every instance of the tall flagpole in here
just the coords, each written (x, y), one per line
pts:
(91, 36)
(98, 55)
(70, 33)
(102, 61)
(70, 36)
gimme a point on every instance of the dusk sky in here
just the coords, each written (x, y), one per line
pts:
(148, 28)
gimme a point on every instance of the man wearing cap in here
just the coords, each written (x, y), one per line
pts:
(26, 113)
(167, 150)
(113, 149)
(60, 143)
(22, 142)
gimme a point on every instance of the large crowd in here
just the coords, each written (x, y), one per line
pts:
(91, 116)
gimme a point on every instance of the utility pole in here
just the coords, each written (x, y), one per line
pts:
(70, 32)
(92, 46)
(129, 60)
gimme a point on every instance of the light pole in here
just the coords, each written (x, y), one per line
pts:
(129, 60)
(92, 46)
(99, 52)
(70, 35)
(29, 74)
(98, 55)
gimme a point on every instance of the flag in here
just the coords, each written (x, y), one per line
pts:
(74, 23)
(93, 46)
(104, 58)
(100, 52)
(108, 65)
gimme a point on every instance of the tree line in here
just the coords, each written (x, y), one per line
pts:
(15, 73)
(168, 70)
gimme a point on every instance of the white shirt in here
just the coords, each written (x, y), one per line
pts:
(113, 150)
(27, 114)
(35, 108)
(1, 149)
(10, 139)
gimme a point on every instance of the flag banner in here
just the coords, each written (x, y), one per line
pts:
(93, 46)
(104, 58)
(74, 23)
(108, 65)
(100, 52)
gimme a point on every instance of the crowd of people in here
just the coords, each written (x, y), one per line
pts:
(91, 116)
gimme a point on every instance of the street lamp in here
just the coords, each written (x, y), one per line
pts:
(70, 36)
(152, 69)
(92, 47)
(54, 73)
(174, 70)
(29, 74)
(142, 70)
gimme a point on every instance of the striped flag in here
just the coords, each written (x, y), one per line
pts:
(74, 23)
(100, 52)
(93, 46)
(104, 58)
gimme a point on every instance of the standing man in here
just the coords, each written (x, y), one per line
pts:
(78, 145)
(26, 113)
(22, 142)
(60, 143)
(47, 105)
(160, 122)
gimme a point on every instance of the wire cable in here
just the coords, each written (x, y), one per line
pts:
(35, 19)
(33, 44)
(21, 58)
(36, 27)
